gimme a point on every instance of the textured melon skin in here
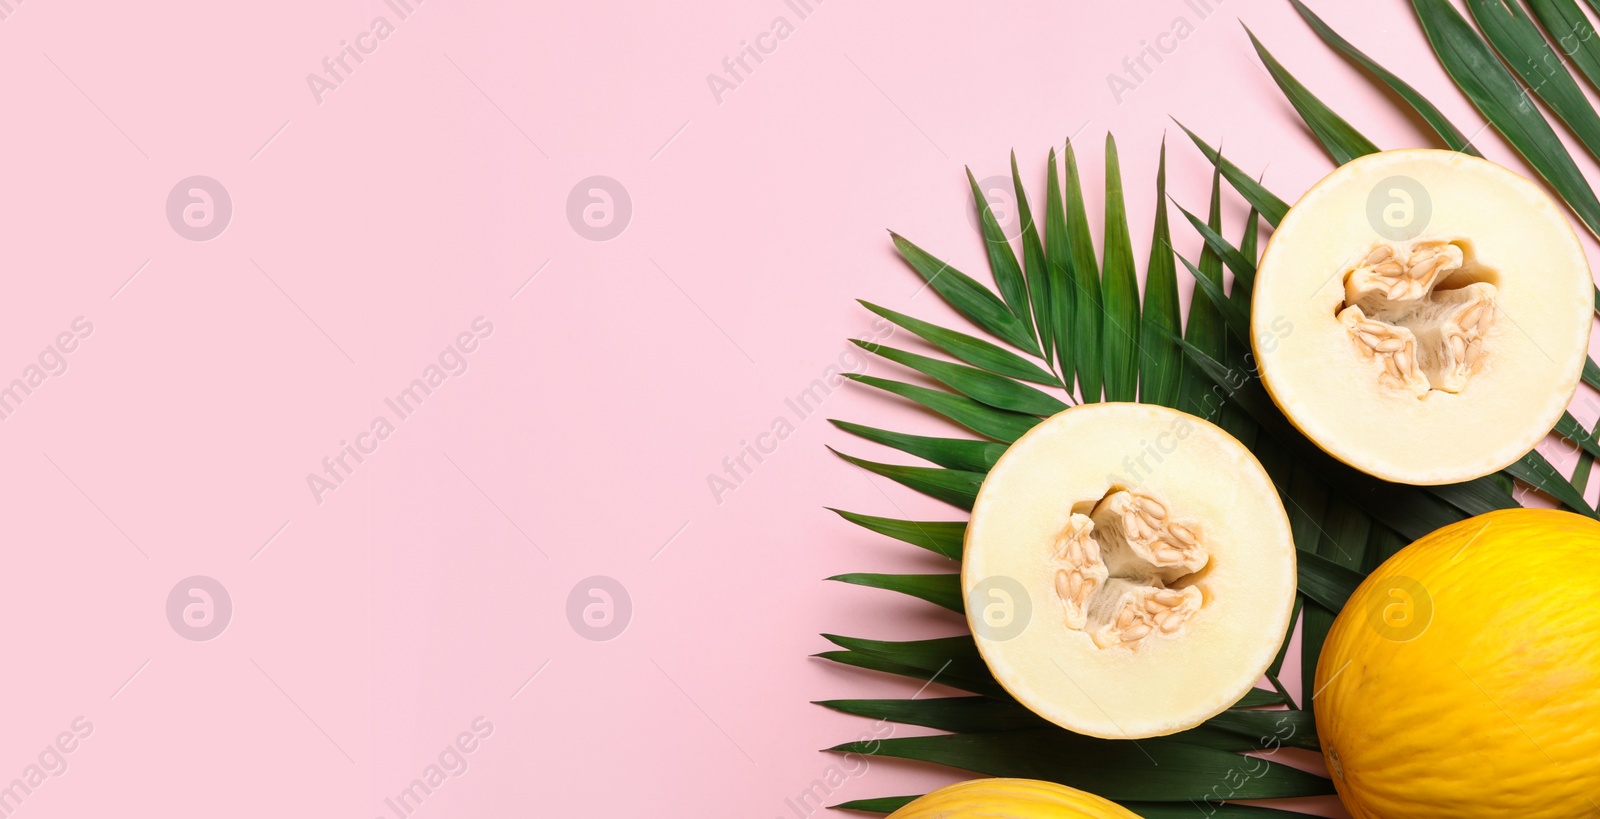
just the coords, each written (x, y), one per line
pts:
(1011, 799)
(1493, 709)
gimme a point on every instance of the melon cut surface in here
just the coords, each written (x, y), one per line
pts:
(1423, 315)
(1128, 570)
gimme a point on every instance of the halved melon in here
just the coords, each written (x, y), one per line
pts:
(1128, 570)
(1423, 315)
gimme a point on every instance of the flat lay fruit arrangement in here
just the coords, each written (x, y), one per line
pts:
(1333, 449)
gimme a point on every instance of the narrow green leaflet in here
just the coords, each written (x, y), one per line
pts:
(952, 486)
(1002, 262)
(1580, 473)
(1271, 207)
(980, 385)
(941, 659)
(1573, 34)
(938, 589)
(1513, 33)
(1157, 770)
(1271, 729)
(950, 453)
(1276, 669)
(1160, 360)
(1496, 94)
(978, 417)
(1537, 472)
(1569, 428)
(1240, 295)
(971, 349)
(1063, 289)
(962, 715)
(983, 684)
(971, 299)
(941, 537)
(1339, 137)
(1257, 698)
(1121, 292)
(1519, 41)
(1432, 115)
(1205, 328)
(1325, 582)
(1247, 244)
(1330, 573)
(1478, 496)
(1086, 274)
(1242, 266)
(882, 804)
(976, 715)
(1233, 315)
(1035, 269)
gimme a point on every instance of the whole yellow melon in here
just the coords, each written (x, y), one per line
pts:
(1462, 679)
(1011, 799)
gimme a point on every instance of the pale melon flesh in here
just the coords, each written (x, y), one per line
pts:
(1128, 570)
(1423, 315)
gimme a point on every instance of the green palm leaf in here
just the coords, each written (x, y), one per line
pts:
(940, 537)
(971, 349)
(983, 419)
(1035, 267)
(1432, 115)
(1160, 362)
(953, 486)
(1342, 140)
(950, 453)
(1573, 33)
(1513, 33)
(1063, 288)
(1121, 290)
(973, 300)
(1269, 206)
(939, 589)
(1160, 769)
(1002, 262)
(980, 385)
(1087, 311)
(1496, 94)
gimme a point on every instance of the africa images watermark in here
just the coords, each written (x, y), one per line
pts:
(49, 764)
(7, 9)
(51, 362)
(451, 362)
(737, 468)
(1136, 67)
(337, 67)
(452, 763)
(736, 67)
(816, 795)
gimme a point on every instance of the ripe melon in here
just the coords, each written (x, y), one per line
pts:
(1462, 679)
(1011, 799)
(1128, 570)
(1423, 315)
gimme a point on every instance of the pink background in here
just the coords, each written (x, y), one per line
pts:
(369, 230)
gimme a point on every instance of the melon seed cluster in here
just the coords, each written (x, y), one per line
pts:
(1115, 567)
(1422, 337)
